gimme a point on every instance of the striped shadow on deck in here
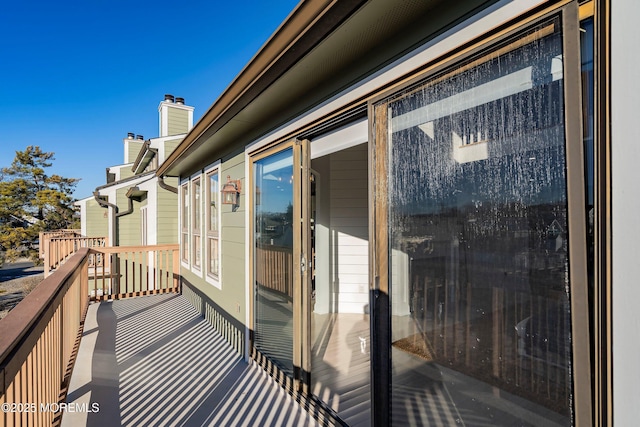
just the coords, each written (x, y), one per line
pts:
(155, 361)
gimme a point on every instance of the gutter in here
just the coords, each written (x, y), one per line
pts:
(166, 186)
(148, 175)
(141, 154)
(309, 23)
(114, 218)
(104, 204)
(114, 223)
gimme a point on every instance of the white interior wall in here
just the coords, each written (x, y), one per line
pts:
(349, 230)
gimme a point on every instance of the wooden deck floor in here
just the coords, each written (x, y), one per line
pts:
(154, 361)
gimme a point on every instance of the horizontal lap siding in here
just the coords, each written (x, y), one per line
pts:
(349, 225)
(97, 220)
(133, 147)
(128, 225)
(178, 121)
(167, 231)
(169, 147)
(233, 242)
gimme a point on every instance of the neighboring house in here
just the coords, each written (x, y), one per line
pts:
(135, 207)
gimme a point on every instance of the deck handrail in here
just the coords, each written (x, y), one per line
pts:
(59, 248)
(124, 271)
(44, 237)
(39, 342)
(41, 334)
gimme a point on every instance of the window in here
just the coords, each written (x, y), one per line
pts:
(185, 223)
(143, 226)
(212, 225)
(195, 224)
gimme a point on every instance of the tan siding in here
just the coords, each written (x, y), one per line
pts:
(178, 121)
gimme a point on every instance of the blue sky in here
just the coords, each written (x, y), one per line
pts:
(76, 76)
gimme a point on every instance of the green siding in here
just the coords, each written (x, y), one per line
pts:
(177, 121)
(125, 172)
(231, 298)
(169, 146)
(129, 232)
(97, 220)
(133, 148)
(167, 231)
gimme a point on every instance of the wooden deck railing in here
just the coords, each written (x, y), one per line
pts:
(40, 336)
(59, 248)
(125, 271)
(46, 235)
(38, 345)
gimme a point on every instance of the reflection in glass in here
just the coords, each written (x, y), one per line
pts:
(185, 222)
(212, 224)
(586, 56)
(273, 258)
(195, 222)
(478, 236)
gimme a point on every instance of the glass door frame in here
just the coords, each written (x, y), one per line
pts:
(379, 212)
(301, 351)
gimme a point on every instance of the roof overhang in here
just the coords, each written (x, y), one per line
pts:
(136, 193)
(132, 180)
(322, 48)
(144, 157)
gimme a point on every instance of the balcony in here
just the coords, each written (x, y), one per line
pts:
(109, 339)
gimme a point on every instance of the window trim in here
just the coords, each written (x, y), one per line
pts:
(215, 280)
(184, 225)
(195, 229)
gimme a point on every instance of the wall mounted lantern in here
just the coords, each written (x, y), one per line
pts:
(231, 192)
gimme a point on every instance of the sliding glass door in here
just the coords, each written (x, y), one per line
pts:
(281, 241)
(273, 259)
(484, 212)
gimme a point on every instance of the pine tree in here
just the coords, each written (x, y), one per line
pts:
(32, 201)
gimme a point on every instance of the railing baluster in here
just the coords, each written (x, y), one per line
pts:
(126, 273)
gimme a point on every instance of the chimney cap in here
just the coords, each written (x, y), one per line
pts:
(130, 135)
(169, 97)
(140, 137)
(180, 101)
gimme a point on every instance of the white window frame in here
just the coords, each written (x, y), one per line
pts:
(214, 279)
(195, 230)
(185, 213)
(144, 225)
